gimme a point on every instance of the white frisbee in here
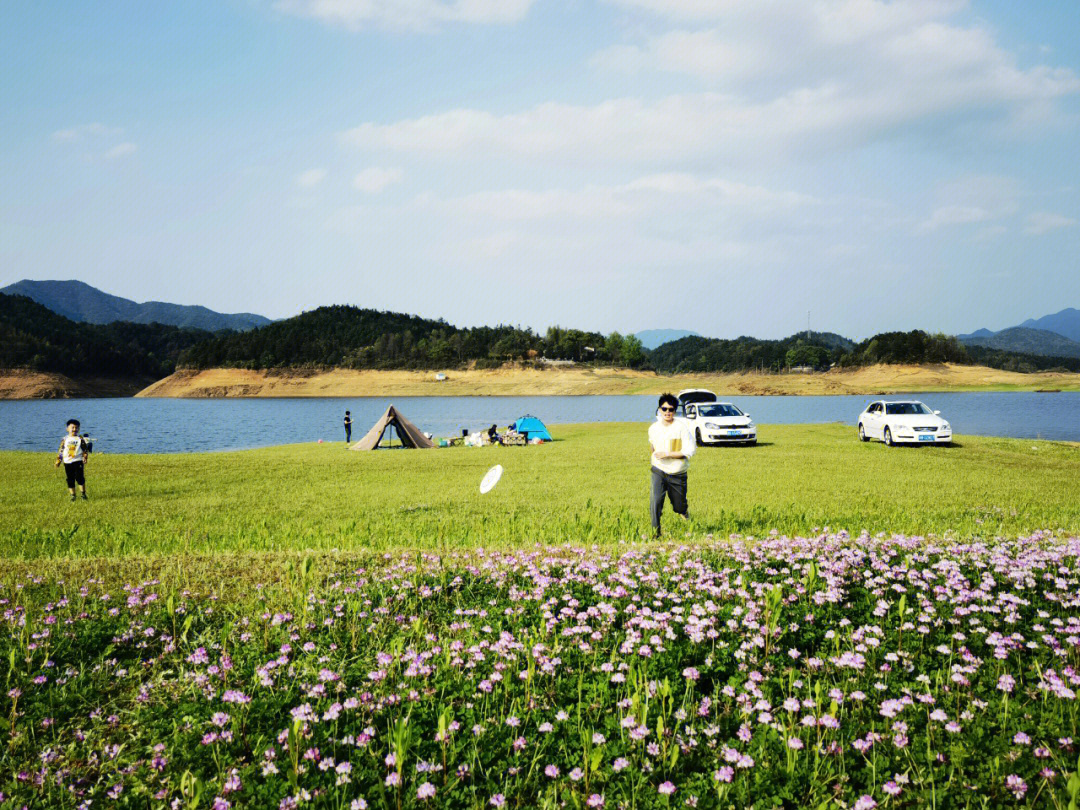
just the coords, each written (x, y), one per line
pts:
(491, 479)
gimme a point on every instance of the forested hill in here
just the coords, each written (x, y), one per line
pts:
(697, 354)
(34, 337)
(349, 337)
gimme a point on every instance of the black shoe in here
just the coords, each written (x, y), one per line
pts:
(72, 499)
(84, 497)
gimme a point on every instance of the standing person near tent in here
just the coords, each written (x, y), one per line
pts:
(672, 446)
(348, 427)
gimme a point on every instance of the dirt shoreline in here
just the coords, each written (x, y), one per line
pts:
(583, 381)
(552, 381)
(27, 384)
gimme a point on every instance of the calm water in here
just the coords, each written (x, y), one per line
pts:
(185, 425)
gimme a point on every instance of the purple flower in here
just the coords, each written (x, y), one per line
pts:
(595, 800)
(425, 791)
(666, 788)
(551, 771)
(1017, 785)
(498, 800)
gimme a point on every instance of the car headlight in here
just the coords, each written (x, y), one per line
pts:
(712, 426)
(946, 426)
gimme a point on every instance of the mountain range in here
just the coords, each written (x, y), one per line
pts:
(1056, 335)
(82, 303)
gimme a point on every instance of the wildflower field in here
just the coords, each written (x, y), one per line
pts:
(818, 668)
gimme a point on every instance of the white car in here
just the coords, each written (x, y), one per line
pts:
(903, 421)
(714, 422)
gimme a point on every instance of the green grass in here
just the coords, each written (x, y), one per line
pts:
(590, 486)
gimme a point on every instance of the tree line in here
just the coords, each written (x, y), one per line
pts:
(34, 337)
(350, 337)
(31, 336)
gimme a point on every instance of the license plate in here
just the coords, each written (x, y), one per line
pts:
(734, 433)
(926, 438)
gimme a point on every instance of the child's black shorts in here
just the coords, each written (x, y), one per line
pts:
(74, 473)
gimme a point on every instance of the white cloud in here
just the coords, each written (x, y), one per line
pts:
(312, 177)
(832, 81)
(375, 179)
(1042, 222)
(641, 197)
(86, 131)
(956, 215)
(698, 53)
(692, 126)
(121, 150)
(971, 200)
(418, 15)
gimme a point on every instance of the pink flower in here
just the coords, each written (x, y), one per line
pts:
(425, 791)
(865, 802)
(1017, 785)
(666, 789)
(725, 774)
(551, 771)
(596, 800)
(498, 800)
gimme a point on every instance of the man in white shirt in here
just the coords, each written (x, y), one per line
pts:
(672, 445)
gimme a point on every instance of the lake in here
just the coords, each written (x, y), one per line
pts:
(186, 425)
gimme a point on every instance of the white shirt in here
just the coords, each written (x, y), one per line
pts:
(661, 438)
(71, 449)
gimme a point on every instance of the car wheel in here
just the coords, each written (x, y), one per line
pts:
(862, 434)
(887, 436)
(751, 443)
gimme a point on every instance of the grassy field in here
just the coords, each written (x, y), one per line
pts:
(281, 628)
(588, 487)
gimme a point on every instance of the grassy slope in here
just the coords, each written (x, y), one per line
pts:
(589, 486)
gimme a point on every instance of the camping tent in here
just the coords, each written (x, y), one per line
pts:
(532, 427)
(409, 433)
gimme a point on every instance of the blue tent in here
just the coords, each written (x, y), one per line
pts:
(532, 427)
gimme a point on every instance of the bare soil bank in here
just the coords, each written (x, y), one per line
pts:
(26, 384)
(579, 381)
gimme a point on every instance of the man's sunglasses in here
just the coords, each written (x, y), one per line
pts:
(669, 410)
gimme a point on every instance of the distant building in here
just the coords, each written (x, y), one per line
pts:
(440, 377)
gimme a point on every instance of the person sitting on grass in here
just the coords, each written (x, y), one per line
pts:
(73, 454)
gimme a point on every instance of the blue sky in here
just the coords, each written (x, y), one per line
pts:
(725, 166)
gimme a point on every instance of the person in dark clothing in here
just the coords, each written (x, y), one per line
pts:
(493, 435)
(348, 427)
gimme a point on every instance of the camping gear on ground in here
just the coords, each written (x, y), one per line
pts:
(532, 427)
(491, 479)
(477, 439)
(409, 434)
(512, 438)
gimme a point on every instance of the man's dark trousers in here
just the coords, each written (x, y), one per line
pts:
(674, 487)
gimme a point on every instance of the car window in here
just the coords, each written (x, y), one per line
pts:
(719, 410)
(906, 408)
